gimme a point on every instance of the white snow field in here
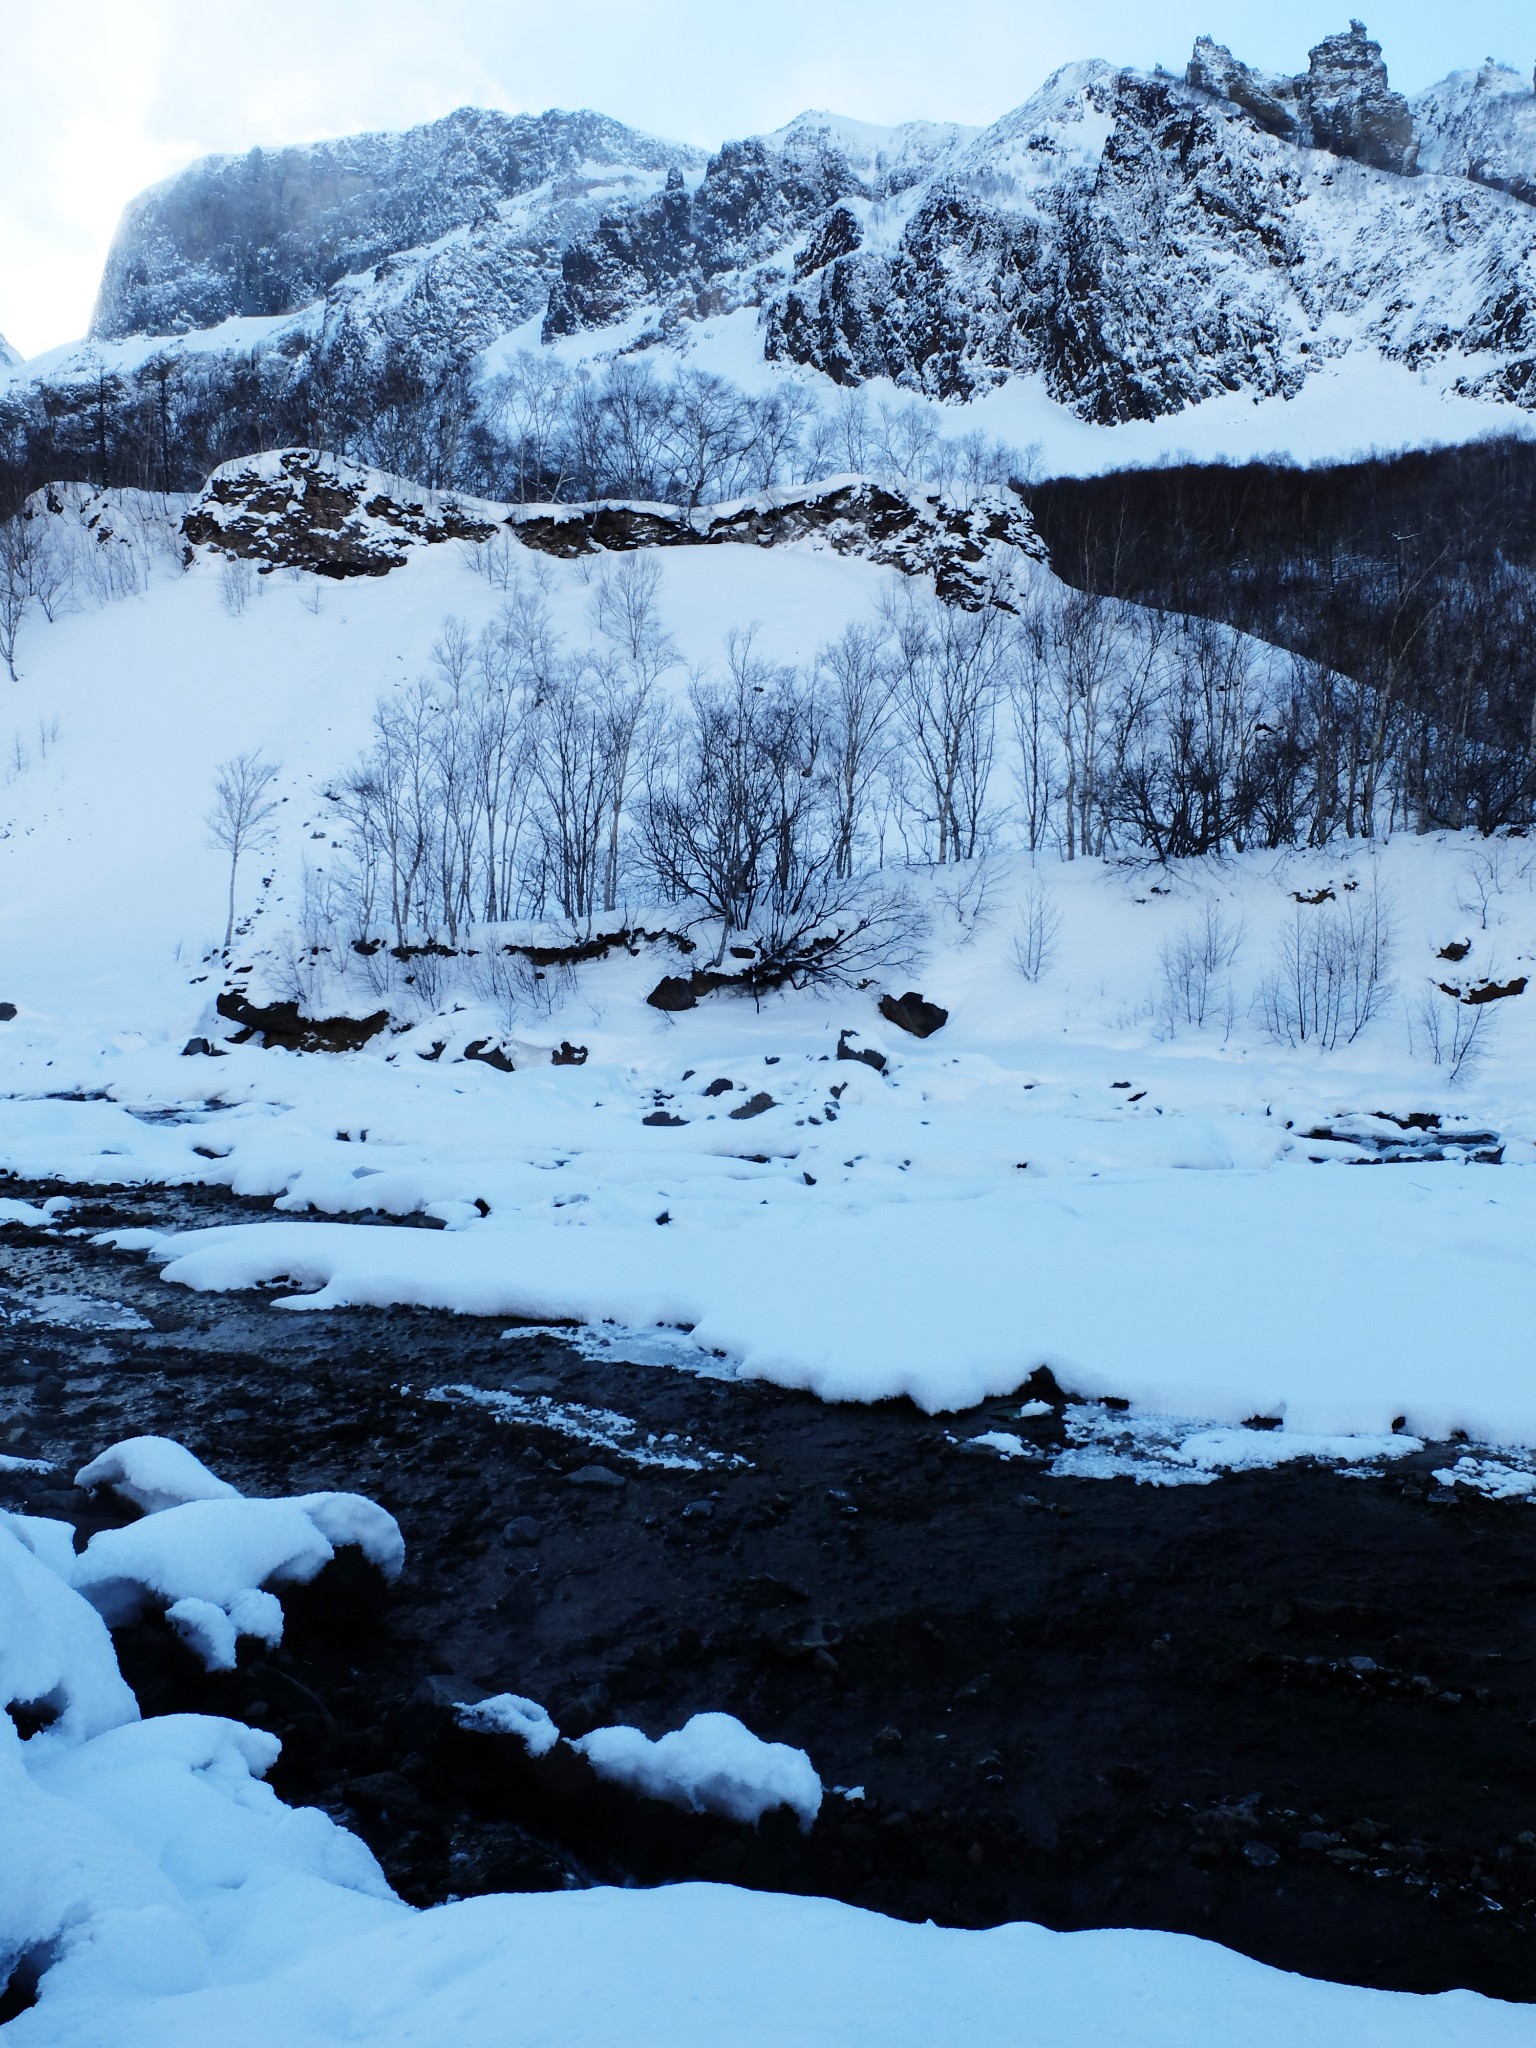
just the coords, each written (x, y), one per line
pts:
(162, 1894)
(1068, 1174)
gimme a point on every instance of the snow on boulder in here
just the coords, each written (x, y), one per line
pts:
(58, 1671)
(154, 1473)
(207, 1563)
(299, 509)
(508, 1713)
(712, 1764)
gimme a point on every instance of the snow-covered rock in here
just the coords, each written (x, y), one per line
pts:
(298, 508)
(1481, 125)
(712, 1764)
(509, 1713)
(154, 1473)
(206, 1555)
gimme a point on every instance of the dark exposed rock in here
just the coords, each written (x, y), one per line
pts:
(1275, 103)
(7, 1012)
(920, 533)
(567, 1055)
(280, 1024)
(865, 1054)
(753, 1106)
(299, 509)
(1350, 108)
(1342, 103)
(601, 1477)
(673, 992)
(913, 1013)
(489, 1055)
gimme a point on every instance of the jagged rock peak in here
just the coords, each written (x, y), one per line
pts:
(10, 358)
(1341, 103)
(1354, 112)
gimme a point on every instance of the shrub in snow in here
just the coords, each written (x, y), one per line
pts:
(1331, 975)
(154, 1472)
(710, 1765)
(1194, 965)
(508, 1713)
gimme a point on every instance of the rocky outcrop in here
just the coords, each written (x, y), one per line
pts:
(268, 232)
(961, 546)
(1350, 107)
(1341, 103)
(1143, 245)
(299, 509)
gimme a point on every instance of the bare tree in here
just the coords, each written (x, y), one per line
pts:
(857, 681)
(950, 667)
(18, 547)
(240, 819)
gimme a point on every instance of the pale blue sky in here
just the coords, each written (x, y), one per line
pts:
(98, 98)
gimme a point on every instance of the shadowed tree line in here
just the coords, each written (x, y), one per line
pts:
(1405, 588)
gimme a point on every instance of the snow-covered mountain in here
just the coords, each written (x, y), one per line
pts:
(1481, 125)
(1124, 247)
(10, 358)
(272, 231)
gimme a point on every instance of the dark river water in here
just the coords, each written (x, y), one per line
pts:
(1292, 1712)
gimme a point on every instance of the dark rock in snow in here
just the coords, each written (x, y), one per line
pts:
(299, 509)
(7, 1012)
(753, 1106)
(489, 1055)
(280, 1024)
(913, 1013)
(663, 1120)
(673, 992)
(567, 1055)
(865, 1054)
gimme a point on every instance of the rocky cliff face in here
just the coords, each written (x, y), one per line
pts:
(1481, 125)
(297, 508)
(266, 233)
(1144, 244)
